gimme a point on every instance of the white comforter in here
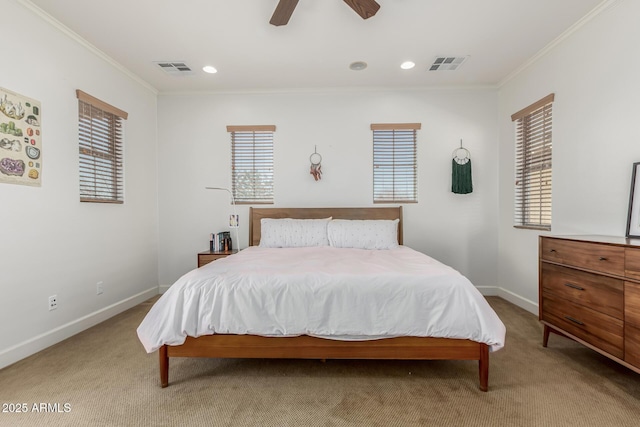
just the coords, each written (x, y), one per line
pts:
(345, 294)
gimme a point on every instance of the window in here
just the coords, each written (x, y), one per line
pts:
(395, 170)
(533, 165)
(100, 128)
(252, 163)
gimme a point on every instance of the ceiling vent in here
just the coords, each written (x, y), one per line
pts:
(447, 63)
(175, 68)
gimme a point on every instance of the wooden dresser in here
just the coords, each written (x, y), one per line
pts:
(589, 290)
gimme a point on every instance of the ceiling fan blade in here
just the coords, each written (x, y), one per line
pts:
(283, 12)
(364, 8)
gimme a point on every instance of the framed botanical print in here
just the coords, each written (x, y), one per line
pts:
(20, 139)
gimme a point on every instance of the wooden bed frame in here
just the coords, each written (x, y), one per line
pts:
(307, 347)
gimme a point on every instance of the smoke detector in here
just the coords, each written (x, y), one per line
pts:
(358, 65)
(447, 63)
(175, 68)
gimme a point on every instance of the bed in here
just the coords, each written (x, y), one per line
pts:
(200, 315)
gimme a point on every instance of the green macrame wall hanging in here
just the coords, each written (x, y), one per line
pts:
(461, 182)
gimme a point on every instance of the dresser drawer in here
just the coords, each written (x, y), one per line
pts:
(593, 256)
(632, 345)
(598, 329)
(206, 257)
(632, 304)
(601, 293)
(632, 263)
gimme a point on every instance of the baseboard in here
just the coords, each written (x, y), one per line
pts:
(61, 333)
(496, 291)
(530, 306)
(488, 291)
(163, 288)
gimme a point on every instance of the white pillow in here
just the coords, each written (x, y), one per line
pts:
(363, 234)
(293, 233)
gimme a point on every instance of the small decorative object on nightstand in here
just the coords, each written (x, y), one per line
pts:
(232, 223)
(208, 256)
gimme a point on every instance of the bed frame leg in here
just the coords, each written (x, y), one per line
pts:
(483, 366)
(164, 366)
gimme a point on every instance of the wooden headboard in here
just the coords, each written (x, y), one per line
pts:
(256, 214)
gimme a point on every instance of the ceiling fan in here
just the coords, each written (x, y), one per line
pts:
(284, 9)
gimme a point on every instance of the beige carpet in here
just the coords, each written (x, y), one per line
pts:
(105, 378)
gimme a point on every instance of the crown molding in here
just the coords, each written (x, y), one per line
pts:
(606, 4)
(338, 89)
(27, 4)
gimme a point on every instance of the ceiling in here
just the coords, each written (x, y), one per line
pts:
(322, 38)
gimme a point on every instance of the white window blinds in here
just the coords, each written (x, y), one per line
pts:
(395, 170)
(100, 133)
(533, 165)
(252, 163)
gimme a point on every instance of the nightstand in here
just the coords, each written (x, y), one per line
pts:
(207, 256)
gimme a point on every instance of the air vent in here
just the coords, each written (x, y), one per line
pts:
(175, 68)
(447, 63)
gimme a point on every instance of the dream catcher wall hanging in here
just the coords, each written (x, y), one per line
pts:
(461, 182)
(316, 167)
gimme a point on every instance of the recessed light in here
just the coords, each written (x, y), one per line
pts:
(358, 65)
(407, 65)
(209, 69)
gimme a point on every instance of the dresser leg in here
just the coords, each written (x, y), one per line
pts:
(545, 336)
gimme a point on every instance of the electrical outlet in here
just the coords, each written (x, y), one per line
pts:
(53, 302)
(99, 288)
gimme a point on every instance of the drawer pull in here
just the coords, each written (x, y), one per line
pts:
(571, 285)
(552, 251)
(571, 319)
(603, 258)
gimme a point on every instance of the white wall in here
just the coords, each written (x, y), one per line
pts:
(595, 76)
(50, 242)
(178, 144)
(194, 152)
